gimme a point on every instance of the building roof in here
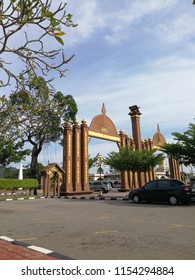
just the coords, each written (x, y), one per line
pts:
(54, 167)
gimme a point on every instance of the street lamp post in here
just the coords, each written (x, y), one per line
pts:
(100, 161)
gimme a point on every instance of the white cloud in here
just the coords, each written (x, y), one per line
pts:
(179, 29)
(116, 24)
(159, 90)
(88, 17)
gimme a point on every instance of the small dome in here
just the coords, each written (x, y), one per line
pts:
(103, 124)
(158, 138)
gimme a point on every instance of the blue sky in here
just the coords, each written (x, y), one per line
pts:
(131, 52)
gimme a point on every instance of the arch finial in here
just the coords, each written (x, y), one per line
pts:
(103, 109)
(158, 127)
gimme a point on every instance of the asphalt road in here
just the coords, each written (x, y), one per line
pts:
(102, 229)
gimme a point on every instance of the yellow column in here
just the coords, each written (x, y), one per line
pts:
(152, 172)
(124, 174)
(84, 157)
(146, 173)
(67, 160)
(76, 157)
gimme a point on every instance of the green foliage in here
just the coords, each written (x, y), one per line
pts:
(11, 150)
(128, 159)
(10, 172)
(97, 161)
(91, 161)
(41, 114)
(15, 184)
(136, 161)
(184, 148)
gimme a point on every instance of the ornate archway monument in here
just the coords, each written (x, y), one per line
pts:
(75, 152)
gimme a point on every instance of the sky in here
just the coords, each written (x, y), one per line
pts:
(130, 52)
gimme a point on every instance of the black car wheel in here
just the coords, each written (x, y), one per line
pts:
(173, 200)
(136, 198)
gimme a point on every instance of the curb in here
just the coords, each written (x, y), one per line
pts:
(78, 197)
(94, 198)
(21, 198)
(70, 197)
(35, 248)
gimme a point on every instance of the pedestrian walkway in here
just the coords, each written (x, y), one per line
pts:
(11, 249)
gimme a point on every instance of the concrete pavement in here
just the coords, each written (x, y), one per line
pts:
(11, 249)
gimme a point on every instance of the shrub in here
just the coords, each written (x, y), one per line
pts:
(15, 184)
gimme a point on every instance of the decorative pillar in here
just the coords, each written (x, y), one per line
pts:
(48, 185)
(146, 173)
(152, 173)
(76, 160)
(58, 185)
(67, 160)
(124, 174)
(136, 132)
(84, 157)
(174, 168)
(129, 173)
(178, 169)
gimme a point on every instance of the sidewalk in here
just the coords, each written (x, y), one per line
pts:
(11, 249)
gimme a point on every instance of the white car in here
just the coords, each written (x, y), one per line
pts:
(98, 185)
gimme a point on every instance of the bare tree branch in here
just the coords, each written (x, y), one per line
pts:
(18, 17)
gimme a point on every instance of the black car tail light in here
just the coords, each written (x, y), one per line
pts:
(186, 188)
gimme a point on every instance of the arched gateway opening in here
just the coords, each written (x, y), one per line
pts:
(75, 157)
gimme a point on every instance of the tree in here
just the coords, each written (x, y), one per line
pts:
(41, 114)
(128, 159)
(91, 161)
(4, 113)
(11, 150)
(35, 23)
(184, 148)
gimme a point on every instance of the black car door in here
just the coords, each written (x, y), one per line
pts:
(150, 191)
(164, 187)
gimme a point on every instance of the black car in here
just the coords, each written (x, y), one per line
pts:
(166, 190)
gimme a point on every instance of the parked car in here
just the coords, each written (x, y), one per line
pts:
(117, 184)
(100, 185)
(166, 190)
(192, 183)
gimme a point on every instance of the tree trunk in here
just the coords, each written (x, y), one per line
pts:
(34, 161)
(133, 179)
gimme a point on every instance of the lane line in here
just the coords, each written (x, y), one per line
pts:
(27, 239)
(43, 222)
(106, 231)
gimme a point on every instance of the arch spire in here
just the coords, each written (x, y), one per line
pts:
(103, 109)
